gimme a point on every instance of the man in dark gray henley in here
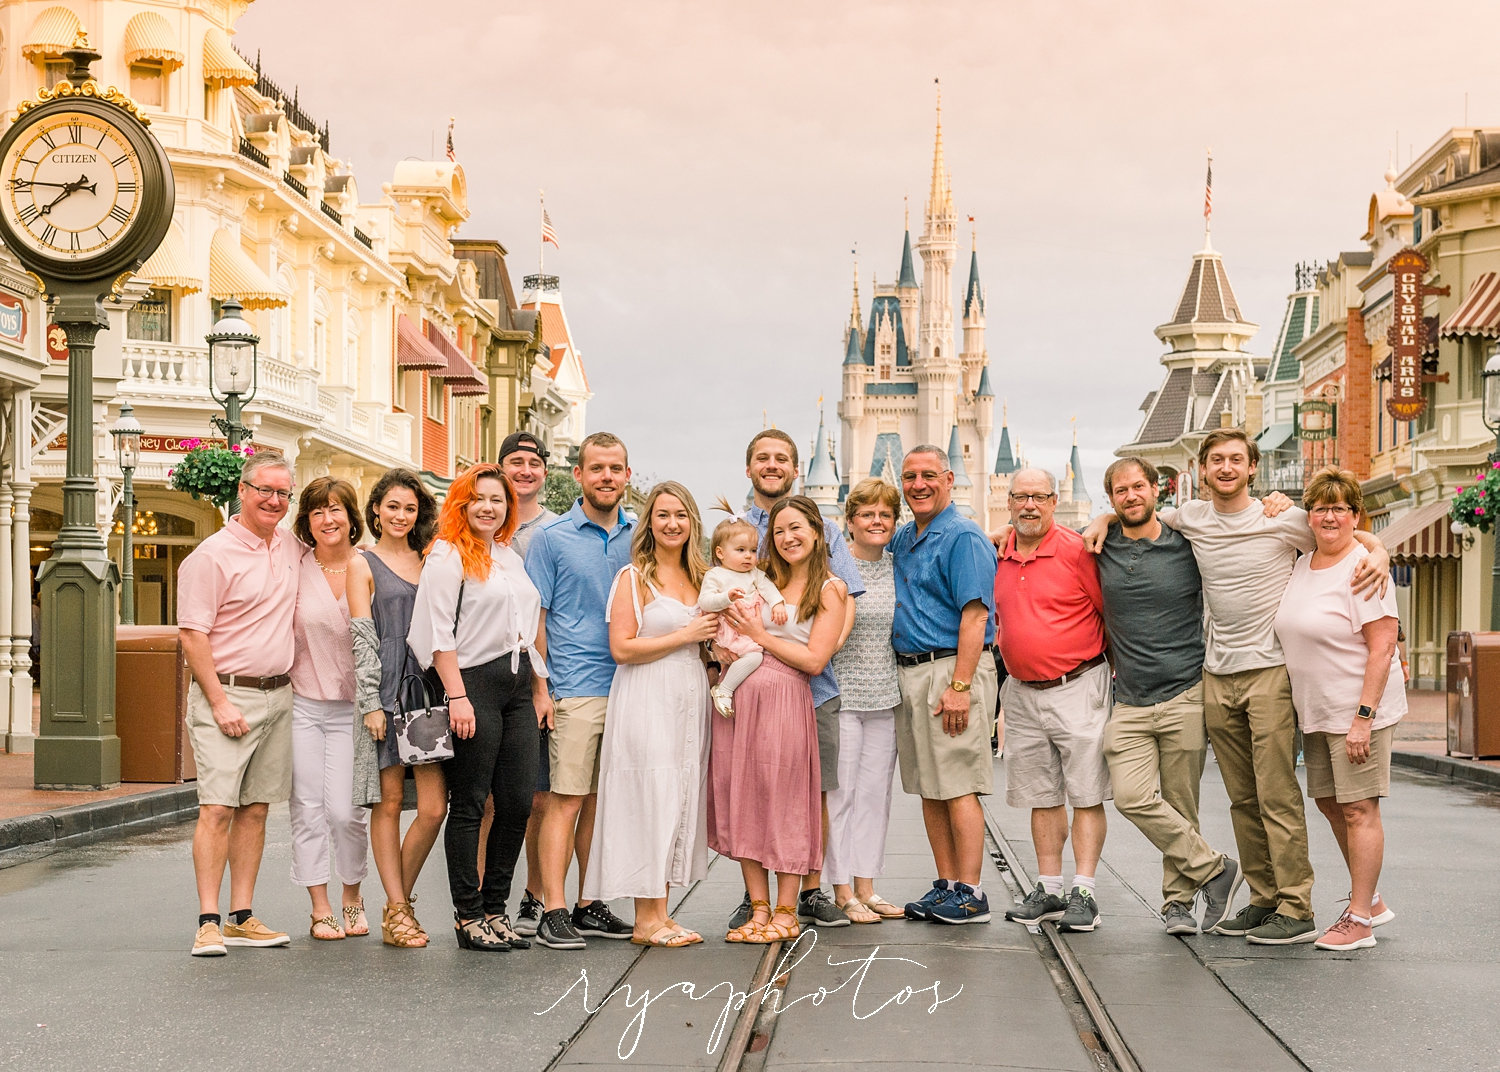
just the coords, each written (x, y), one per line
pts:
(1153, 610)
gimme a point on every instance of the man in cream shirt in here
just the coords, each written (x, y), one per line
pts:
(1245, 558)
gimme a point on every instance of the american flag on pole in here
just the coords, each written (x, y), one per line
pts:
(549, 234)
(1208, 190)
(452, 156)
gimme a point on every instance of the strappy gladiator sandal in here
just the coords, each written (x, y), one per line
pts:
(398, 927)
(476, 934)
(329, 921)
(779, 932)
(411, 907)
(355, 923)
(749, 931)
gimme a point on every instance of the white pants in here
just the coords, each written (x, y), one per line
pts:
(859, 810)
(322, 802)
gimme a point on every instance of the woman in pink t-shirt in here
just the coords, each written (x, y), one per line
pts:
(1349, 693)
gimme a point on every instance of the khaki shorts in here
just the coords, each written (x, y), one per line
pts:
(935, 766)
(1054, 742)
(1330, 774)
(573, 744)
(827, 714)
(255, 768)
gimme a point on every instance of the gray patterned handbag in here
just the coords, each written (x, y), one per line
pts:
(423, 733)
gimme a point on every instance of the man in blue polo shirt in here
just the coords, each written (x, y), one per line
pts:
(943, 628)
(573, 561)
(771, 465)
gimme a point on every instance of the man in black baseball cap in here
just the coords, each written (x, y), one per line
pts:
(524, 460)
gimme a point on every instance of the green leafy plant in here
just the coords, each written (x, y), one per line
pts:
(560, 491)
(209, 472)
(1477, 504)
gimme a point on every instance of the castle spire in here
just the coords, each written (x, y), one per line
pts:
(855, 322)
(940, 196)
(908, 272)
(974, 292)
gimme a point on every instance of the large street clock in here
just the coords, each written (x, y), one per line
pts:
(86, 192)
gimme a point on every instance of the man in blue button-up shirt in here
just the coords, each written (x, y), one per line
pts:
(771, 465)
(573, 561)
(944, 622)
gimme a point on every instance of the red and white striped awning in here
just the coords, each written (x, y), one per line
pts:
(1425, 532)
(1479, 312)
(462, 376)
(413, 351)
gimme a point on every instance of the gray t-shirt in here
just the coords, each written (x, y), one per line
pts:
(521, 539)
(1153, 609)
(1246, 559)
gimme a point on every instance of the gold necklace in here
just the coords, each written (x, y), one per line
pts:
(325, 569)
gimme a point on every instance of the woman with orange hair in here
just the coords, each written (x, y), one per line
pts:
(475, 620)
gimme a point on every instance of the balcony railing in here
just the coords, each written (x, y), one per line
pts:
(332, 213)
(250, 152)
(294, 182)
(363, 238)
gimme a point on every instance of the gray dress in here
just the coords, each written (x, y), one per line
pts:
(391, 606)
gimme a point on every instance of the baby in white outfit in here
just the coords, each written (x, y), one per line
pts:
(734, 579)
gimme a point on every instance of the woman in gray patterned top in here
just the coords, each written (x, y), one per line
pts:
(859, 809)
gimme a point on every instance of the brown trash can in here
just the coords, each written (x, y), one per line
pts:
(1474, 694)
(151, 687)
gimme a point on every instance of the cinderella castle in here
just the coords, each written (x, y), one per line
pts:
(905, 382)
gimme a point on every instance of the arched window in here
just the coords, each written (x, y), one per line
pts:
(320, 332)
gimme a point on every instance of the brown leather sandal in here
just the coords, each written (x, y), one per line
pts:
(749, 931)
(330, 922)
(398, 927)
(771, 931)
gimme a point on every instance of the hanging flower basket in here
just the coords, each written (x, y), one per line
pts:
(209, 472)
(1476, 504)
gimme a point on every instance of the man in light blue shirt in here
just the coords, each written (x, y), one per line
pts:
(771, 465)
(573, 561)
(944, 623)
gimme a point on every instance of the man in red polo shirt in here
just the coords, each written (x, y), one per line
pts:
(1051, 632)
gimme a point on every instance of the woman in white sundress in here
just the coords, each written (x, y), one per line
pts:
(651, 831)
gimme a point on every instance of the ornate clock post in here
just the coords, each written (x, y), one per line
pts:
(87, 196)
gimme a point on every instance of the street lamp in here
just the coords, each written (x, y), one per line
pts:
(233, 373)
(127, 433)
(1491, 411)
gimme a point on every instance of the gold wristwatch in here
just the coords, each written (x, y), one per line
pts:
(960, 686)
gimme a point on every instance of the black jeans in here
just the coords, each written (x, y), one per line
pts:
(499, 760)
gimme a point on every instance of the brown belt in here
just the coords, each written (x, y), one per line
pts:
(264, 684)
(1071, 675)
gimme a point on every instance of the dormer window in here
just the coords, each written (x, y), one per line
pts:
(148, 84)
(885, 372)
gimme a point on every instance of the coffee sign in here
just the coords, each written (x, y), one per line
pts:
(12, 318)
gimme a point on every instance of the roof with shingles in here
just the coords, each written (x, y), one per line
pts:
(1207, 298)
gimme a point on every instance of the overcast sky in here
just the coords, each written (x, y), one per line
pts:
(709, 166)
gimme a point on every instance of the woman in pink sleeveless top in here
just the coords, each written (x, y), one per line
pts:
(322, 803)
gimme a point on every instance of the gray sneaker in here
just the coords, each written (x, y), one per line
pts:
(1218, 893)
(1082, 913)
(1037, 907)
(1283, 930)
(741, 915)
(817, 908)
(1242, 922)
(529, 916)
(1178, 918)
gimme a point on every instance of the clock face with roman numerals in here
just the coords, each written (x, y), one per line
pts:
(72, 186)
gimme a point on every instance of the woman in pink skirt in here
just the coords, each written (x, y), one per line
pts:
(765, 805)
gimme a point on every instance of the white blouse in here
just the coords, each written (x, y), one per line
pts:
(499, 615)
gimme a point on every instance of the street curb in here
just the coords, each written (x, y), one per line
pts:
(1455, 770)
(122, 815)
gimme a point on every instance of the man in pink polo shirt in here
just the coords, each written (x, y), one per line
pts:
(235, 596)
(1057, 699)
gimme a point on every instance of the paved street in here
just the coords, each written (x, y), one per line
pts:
(97, 975)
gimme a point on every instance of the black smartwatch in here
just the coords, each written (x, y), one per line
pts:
(1365, 712)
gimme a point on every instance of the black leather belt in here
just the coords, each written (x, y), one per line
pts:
(264, 684)
(930, 656)
(1071, 675)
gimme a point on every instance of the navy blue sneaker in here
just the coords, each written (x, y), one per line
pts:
(961, 906)
(922, 910)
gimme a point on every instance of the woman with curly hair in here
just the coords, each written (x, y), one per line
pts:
(653, 764)
(475, 620)
(402, 516)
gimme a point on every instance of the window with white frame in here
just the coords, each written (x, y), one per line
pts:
(148, 84)
(434, 398)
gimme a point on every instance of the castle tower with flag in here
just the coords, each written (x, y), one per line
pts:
(906, 378)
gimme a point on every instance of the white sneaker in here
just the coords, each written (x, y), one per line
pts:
(723, 700)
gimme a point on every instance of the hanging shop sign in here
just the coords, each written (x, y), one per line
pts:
(1408, 338)
(12, 318)
(1316, 420)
